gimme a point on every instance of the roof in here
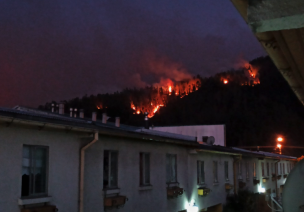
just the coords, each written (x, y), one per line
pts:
(48, 119)
(265, 154)
(278, 26)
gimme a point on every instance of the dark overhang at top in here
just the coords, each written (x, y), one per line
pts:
(279, 27)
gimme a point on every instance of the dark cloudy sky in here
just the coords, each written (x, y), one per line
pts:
(60, 49)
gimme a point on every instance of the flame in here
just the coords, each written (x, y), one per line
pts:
(99, 107)
(138, 112)
(225, 81)
(160, 93)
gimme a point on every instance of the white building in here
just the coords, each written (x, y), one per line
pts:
(76, 164)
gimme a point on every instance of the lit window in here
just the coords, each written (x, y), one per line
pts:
(254, 169)
(144, 163)
(110, 169)
(215, 172)
(263, 171)
(34, 171)
(200, 172)
(171, 168)
(226, 171)
(267, 168)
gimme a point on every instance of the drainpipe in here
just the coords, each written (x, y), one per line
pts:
(81, 177)
(235, 173)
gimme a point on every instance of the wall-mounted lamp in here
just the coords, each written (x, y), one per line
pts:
(193, 208)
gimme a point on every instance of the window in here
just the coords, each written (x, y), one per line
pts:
(171, 168)
(263, 171)
(144, 168)
(254, 169)
(200, 172)
(226, 171)
(267, 168)
(240, 170)
(34, 171)
(247, 170)
(110, 169)
(283, 168)
(215, 172)
(272, 169)
(280, 168)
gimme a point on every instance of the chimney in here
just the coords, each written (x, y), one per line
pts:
(75, 112)
(94, 116)
(53, 109)
(146, 121)
(117, 122)
(71, 112)
(81, 113)
(61, 108)
(104, 118)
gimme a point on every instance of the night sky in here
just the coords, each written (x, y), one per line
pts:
(61, 49)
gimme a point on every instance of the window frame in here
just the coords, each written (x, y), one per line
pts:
(35, 195)
(175, 168)
(226, 170)
(199, 165)
(267, 169)
(247, 170)
(263, 169)
(110, 170)
(215, 172)
(142, 169)
(254, 170)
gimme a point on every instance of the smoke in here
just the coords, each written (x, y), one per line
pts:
(55, 50)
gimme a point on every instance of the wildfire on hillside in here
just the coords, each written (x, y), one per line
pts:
(158, 97)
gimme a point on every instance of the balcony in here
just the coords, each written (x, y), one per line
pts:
(115, 201)
(256, 181)
(174, 191)
(46, 208)
(242, 184)
(228, 186)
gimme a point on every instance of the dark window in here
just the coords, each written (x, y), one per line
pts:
(267, 168)
(200, 172)
(215, 178)
(263, 171)
(110, 169)
(254, 169)
(226, 171)
(34, 171)
(171, 168)
(247, 170)
(283, 168)
(240, 170)
(144, 170)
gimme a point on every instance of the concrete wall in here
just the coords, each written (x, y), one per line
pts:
(217, 131)
(63, 165)
(154, 199)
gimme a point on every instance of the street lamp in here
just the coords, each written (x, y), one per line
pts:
(280, 148)
(280, 139)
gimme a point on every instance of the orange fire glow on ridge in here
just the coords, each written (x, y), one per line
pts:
(159, 96)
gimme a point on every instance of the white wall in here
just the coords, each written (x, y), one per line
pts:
(217, 131)
(156, 198)
(63, 165)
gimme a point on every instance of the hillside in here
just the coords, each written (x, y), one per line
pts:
(254, 115)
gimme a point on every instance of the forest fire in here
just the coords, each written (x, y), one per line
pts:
(158, 96)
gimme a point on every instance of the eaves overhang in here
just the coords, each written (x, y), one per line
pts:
(279, 27)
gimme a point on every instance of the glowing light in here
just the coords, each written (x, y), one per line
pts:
(279, 146)
(192, 208)
(261, 189)
(138, 112)
(225, 81)
(280, 139)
